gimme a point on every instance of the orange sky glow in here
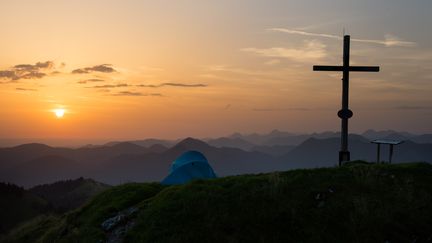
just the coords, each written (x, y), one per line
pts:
(139, 69)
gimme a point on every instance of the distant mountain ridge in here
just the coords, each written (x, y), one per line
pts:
(31, 164)
(147, 142)
(274, 137)
(120, 163)
(231, 142)
(277, 137)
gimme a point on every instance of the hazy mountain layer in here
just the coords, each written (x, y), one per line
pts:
(32, 164)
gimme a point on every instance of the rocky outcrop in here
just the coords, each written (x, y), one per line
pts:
(116, 227)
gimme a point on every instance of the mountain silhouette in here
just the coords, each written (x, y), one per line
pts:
(31, 164)
(146, 142)
(190, 144)
(323, 152)
(231, 142)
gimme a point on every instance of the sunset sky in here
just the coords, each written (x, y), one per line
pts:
(168, 69)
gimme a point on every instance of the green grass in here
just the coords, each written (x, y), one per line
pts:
(83, 224)
(353, 203)
(66, 195)
(32, 230)
(17, 208)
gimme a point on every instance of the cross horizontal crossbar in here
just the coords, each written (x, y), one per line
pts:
(351, 68)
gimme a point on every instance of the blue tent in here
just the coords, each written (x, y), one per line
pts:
(190, 165)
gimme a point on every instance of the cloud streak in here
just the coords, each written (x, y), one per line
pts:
(311, 50)
(25, 89)
(389, 40)
(103, 68)
(27, 71)
(92, 80)
(107, 86)
(132, 93)
(173, 85)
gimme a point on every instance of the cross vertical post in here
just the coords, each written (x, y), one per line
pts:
(345, 113)
(344, 154)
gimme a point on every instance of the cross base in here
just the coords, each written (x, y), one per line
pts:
(344, 156)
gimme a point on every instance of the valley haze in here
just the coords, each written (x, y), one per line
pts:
(148, 160)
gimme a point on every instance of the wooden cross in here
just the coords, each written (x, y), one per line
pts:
(345, 113)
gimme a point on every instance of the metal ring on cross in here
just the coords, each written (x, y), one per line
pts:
(345, 114)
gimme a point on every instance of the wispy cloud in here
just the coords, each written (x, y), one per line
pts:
(300, 32)
(35, 67)
(311, 50)
(25, 89)
(103, 68)
(389, 40)
(132, 93)
(172, 84)
(103, 90)
(27, 71)
(92, 80)
(106, 86)
(8, 74)
(184, 85)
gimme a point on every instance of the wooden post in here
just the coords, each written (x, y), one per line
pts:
(391, 153)
(344, 154)
(378, 153)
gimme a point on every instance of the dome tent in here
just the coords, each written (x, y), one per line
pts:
(190, 165)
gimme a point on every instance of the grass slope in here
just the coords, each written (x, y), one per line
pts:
(354, 203)
(17, 205)
(70, 194)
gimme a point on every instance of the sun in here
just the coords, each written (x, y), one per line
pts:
(59, 113)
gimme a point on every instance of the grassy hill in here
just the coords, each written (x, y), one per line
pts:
(18, 205)
(354, 203)
(69, 194)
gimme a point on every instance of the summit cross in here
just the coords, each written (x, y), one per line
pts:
(345, 113)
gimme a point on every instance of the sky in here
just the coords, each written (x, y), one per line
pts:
(169, 69)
